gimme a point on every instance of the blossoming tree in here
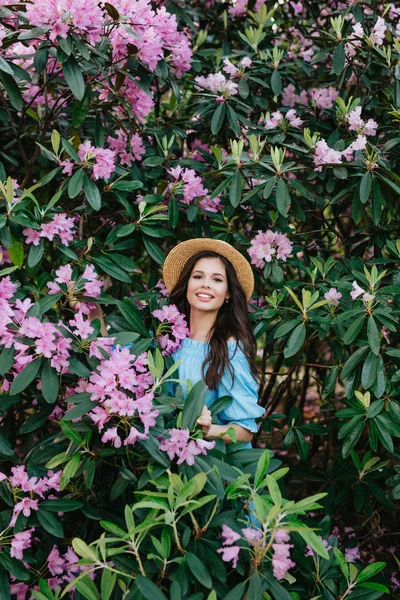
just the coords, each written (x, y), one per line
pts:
(126, 127)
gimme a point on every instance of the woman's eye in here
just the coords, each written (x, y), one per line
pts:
(218, 280)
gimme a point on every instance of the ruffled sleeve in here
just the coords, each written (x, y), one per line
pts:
(244, 408)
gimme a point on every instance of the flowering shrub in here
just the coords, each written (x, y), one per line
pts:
(129, 126)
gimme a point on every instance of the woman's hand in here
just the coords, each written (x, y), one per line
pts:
(205, 420)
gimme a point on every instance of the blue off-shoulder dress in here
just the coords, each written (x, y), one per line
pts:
(243, 410)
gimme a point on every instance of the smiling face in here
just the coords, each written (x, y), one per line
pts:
(208, 285)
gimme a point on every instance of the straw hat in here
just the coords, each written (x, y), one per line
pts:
(178, 256)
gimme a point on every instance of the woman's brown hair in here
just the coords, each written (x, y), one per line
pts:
(232, 321)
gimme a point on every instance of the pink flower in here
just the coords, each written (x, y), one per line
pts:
(281, 561)
(218, 84)
(352, 554)
(133, 436)
(378, 32)
(55, 562)
(333, 296)
(111, 435)
(230, 536)
(253, 536)
(267, 244)
(357, 290)
(173, 329)
(104, 160)
(20, 542)
(230, 553)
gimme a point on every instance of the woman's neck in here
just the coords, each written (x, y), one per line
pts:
(201, 323)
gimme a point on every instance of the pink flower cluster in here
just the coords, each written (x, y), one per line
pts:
(333, 296)
(118, 145)
(179, 445)
(20, 542)
(324, 155)
(14, 323)
(281, 561)
(121, 388)
(239, 8)
(357, 291)
(230, 552)
(234, 71)
(21, 482)
(61, 226)
(4, 256)
(101, 161)
(323, 97)
(87, 283)
(282, 120)
(153, 33)
(356, 123)
(172, 329)
(187, 181)
(218, 84)
(268, 245)
(62, 16)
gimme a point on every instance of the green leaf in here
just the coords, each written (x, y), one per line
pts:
(5, 593)
(369, 370)
(70, 433)
(341, 561)
(83, 550)
(254, 590)
(74, 77)
(13, 90)
(127, 186)
(87, 588)
(49, 522)
(352, 438)
(199, 570)
(25, 377)
(153, 250)
(35, 254)
(173, 213)
(92, 193)
(365, 187)
(295, 341)
(108, 580)
(110, 268)
(49, 383)
(14, 566)
(75, 184)
(262, 468)
(353, 361)
(16, 252)
(61, 505)
(6, 360)
(5, 67)
(132, 314)
(282, 197)
(37, 420)
(312, 539)
(79, 410)
(353, 330)
(193, 405)
(373, 335)
(149, 589)
(236, 189)
(5, 446)
(276, 82)
(69, 470)
(339, 59)
(370, 571)
(218, 118)
(236, 593)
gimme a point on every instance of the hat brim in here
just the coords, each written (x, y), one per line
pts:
(179, 255)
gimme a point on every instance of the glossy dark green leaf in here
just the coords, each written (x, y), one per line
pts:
(218, 118)
(295, 341)
(133, 315)
(92, 193)
(193, 405)
(49, 522)
(153, 250)
(149, 589)
(282, 197)
(74, 77)
(276, 82)
(254, 590)
(6, 360)
(373, 335)
(354, 330)
(49, 383)
(352, 438)
(199, 570)
(353, 361)
(26, 376)
(369, 370)
(13, 90)
(75, 184)
(339, 59)
(365, 187)
(236, 189)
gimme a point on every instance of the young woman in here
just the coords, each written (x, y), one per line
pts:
(210, 282)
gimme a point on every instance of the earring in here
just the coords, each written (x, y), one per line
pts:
(226, 300)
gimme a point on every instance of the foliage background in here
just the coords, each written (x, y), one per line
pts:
(184, 143)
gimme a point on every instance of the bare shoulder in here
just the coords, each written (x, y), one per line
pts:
(232, 339)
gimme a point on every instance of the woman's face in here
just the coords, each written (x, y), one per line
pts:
(208, 285)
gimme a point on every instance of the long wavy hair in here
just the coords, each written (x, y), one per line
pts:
(232, 321)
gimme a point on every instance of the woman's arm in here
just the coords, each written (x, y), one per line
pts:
(212, 431)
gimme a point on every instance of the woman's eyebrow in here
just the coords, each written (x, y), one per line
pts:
(202, 272)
